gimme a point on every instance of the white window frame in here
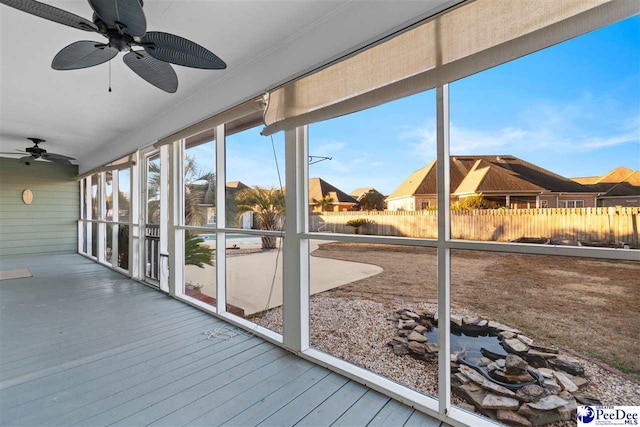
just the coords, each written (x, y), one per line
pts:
(571, 204)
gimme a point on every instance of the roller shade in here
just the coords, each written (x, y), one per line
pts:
(470, 38)
(249, 108)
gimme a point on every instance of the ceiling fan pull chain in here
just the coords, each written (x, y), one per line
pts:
(109, 75)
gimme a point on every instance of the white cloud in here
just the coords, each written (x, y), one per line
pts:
(573, 127)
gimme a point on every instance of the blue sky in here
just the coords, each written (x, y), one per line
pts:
(573, 108)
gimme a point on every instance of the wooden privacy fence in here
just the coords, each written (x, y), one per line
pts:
(612, 224)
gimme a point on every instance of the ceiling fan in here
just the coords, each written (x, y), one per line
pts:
(124, 25)
(35, 153)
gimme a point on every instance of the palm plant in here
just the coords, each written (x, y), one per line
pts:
(357, 223)
(267, 204)
(198, 188)
(195, 253)
(323, 205)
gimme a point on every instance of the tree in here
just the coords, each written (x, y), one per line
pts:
(472, 202)
(372, 201)
(324, 205)
(267, 204)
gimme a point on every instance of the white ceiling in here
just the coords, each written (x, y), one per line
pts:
(263, 43)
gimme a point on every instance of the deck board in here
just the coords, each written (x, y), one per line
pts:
(83, 345)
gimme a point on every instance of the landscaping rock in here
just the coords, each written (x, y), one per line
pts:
(544, 349)
(514, 345)
(432, 347)
(407, 324)
(587, 399)
(537, 417)
(512, 418)
(462, 378)
(545, 372)
(420, 329)
(567, 411)
(483, 362)
(483, 382)
(412, 315)
(500, 363)
(483, 323)
(538, 353)
(400, 349)
(416, 348)
(404, 332)
(471, 393)
(552, 386)
(493, 401)
(548, 403)
(507, 334)
(565, 382)
(456, 319)
(494, 325)
(414, 336)
(426, 323)
(399, 340)
(466, 407)
(579, 381)
(531, 393)
(525, 339)
(567, 364)
(511, 378)
(467, 320)
(515, 365)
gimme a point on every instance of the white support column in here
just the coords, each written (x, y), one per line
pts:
(100, 194)
(135, 217)
(296, 249)
(82, 228)
(115, 216)
(507, 201)
(444, 253)
(221, 219)
(175, 243)
(163, 247)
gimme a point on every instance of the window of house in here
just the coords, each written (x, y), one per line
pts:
(572, 203)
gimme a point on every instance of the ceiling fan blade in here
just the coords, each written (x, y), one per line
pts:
(51, 13)
(26, 159)
(17, 153)
(83, 54)
(158, 73)
(177, 50)
(54, 157)
(127, 15)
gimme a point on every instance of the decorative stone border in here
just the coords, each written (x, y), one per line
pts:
(494, 386)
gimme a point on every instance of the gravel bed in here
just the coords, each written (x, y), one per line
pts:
(356, 330)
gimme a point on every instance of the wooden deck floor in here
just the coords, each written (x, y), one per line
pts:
(83, 345)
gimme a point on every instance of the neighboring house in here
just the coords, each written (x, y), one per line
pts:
(620, 187)
(340, 201)
(359, 194)
(502, 180)
(207, 205)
